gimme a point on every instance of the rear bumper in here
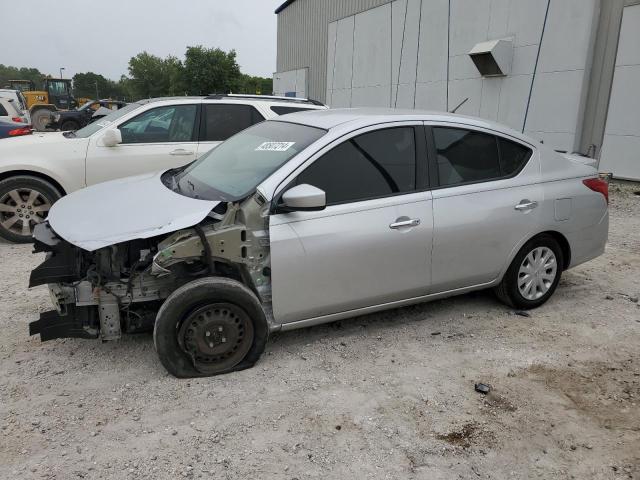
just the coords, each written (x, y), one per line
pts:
(589, 243)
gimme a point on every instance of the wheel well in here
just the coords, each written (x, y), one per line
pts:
(564, 245)
(16, 173)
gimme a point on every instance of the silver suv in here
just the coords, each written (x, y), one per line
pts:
(310, 218)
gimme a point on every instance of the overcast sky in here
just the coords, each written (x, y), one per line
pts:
(101, 36)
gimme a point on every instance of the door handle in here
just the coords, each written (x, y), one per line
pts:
(181, 152)
(413, 222)
(526, 205)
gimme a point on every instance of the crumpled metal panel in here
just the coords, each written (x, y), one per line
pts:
(123, 210)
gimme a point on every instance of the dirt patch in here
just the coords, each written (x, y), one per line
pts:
(462, 437)
(608, 394)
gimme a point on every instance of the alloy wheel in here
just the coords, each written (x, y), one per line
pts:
(21, 209)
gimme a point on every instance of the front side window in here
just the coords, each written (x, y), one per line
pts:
(104, 122)
(222, 121)
(372, 165)
(174, 123)
(465, 156)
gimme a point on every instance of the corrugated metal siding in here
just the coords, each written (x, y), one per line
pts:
(302, 36)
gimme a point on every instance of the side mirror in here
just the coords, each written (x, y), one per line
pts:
(112, 137)
(304, 198)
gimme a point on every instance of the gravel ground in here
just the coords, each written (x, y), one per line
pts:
(389, 395)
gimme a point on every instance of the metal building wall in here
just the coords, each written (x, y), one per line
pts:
(302, 36)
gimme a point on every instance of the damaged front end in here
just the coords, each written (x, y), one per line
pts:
(119, 288)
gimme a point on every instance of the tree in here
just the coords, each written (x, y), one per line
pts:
(14, 73)
(93, 85)
(152, 76)
(255, 85)
(211, 70)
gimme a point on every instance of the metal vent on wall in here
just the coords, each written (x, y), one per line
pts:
(493, 58)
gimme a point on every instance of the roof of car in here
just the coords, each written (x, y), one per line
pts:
(243, 99)
(328, 119)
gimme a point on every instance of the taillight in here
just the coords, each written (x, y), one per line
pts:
(598, 185)
(20, 131)
(18, 119)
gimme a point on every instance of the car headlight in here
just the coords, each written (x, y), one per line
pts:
(56, 117)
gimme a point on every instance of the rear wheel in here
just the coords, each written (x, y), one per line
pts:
(24, 202)
(208, 327)
(533, 275)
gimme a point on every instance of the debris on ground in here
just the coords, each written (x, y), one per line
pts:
(482, 388)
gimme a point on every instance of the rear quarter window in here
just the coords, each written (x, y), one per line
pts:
(3, 111)
(513, 156)
(284, 110)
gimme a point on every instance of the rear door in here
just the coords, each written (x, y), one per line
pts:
(372, 243)
(486, 194)
(220, 121)
(158, 138)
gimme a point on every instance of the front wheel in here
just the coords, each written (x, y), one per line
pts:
(24, 202)
(533, 275)
(40, 119)
(210, 326)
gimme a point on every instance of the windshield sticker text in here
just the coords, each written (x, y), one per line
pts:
(275, 146)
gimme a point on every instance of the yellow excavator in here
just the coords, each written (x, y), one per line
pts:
(55, 95)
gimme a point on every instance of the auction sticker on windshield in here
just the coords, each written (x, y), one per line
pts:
(275, 146)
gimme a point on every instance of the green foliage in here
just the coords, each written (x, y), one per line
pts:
(92, 85)
(152, 76)
(203, 71)
(211, 70)
(255, 85)
(14, 73)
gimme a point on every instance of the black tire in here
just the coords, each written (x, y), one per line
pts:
(69, 125)
(22, 184)
(178, 351)
(509, 293)
(40, 119)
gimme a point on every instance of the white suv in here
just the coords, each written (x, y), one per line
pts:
(18, 102)
(146, 136)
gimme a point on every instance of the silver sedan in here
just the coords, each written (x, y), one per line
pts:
(315, 217)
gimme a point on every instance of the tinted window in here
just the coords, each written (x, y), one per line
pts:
(465, 156)
(513, 156)
(223, 121)
(285, 110)
(173, 123)
(3, 111)
(372, 165)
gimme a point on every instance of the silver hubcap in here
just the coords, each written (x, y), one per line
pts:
(537, 273)
(21, 209)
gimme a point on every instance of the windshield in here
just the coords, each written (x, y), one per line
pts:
(236, 167)
(86, 105)
(105, 121)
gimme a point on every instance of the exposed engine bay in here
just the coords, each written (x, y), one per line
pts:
(119, 288)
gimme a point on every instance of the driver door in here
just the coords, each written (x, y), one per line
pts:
(156, 139)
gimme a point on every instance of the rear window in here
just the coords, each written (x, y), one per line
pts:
(285, 110)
